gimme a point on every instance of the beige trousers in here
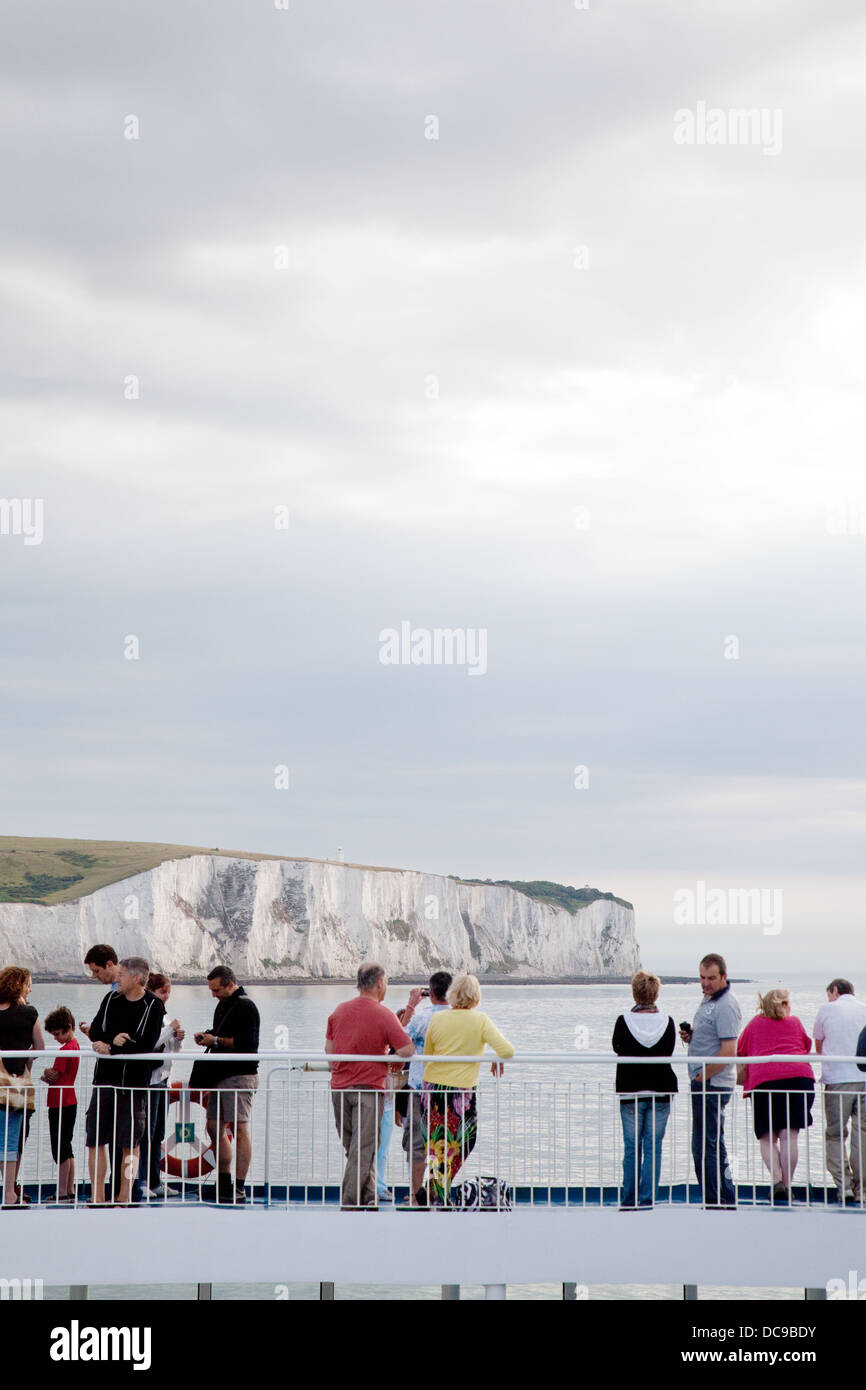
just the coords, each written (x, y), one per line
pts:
(844, 1104)
(357, 1115)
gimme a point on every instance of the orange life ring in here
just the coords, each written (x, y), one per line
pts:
(187, 1133)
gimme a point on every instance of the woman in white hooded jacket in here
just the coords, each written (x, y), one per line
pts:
(644, 1089)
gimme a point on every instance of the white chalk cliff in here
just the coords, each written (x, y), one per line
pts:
(294, 919)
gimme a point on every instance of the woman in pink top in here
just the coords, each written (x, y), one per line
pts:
(782, 1092)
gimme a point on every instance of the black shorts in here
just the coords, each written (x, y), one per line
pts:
(61, 1123)
(784, 1104)
(115, 1117)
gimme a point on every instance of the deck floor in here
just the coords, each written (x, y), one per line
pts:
(314, 1195)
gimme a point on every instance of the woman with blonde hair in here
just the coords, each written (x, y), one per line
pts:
(19, 1031)
(782, 1093)
(448, 1094)
(644, 1091)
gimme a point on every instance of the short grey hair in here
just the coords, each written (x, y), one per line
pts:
(369, 975)
(136, 965)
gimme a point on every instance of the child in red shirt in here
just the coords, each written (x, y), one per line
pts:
(62, 1101)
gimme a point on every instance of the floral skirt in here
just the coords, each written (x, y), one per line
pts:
(451, 1128)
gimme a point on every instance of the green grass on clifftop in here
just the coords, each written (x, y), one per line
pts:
(554, 894)
(58, 871)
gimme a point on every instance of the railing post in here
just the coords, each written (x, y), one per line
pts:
(813, 1295)
(569, 1293)
(78, 1292)
(690, 1293)
(326, 1293)
(267, 1154)
(204, 1293)
(451, 1293)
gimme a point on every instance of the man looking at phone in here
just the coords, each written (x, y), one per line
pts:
(230, 1084)
(102, 963)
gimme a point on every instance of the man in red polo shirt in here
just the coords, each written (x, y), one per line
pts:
(360, 1026)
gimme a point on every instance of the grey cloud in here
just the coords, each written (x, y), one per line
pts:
(696, 387)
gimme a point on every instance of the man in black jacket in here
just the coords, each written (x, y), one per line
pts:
(129, 1021)
(230, 1084)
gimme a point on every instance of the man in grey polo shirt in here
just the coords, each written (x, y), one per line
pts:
(714, 1033)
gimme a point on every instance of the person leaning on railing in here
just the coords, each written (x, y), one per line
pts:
(62, 1100)
(644, 1090)
(448, 1096)
(713, 1033)
(362, 1027)
(19, 1029)
(837, 1028)
(782, 1092)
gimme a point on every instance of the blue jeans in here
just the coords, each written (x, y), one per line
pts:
(385, 1132)
(10, 1132)
(712, 1168)
(644, 1121)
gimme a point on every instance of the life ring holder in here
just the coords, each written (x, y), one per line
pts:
(188, 1132)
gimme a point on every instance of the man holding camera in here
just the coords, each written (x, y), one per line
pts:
(423, 1004)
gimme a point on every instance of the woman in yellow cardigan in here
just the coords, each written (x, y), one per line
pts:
(448, 1094)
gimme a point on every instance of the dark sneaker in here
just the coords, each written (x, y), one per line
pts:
(223, 1190)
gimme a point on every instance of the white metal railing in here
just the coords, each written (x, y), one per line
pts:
(550, 1129)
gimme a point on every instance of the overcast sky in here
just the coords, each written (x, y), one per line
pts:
(551, 374)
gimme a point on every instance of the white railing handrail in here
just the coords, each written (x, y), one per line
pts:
(579, 1055)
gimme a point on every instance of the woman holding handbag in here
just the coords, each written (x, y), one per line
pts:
(19, 1029)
